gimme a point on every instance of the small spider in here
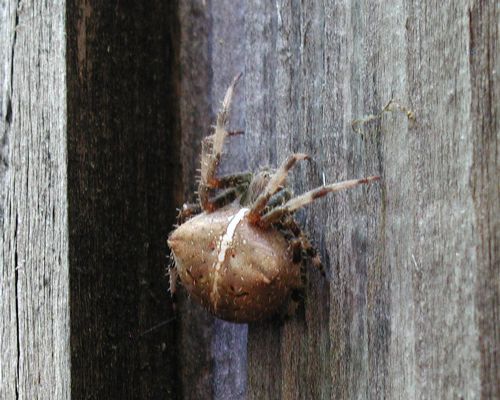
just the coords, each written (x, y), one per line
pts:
(239, 252)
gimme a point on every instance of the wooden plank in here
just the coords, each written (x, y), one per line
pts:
(410, 308)
(194, 325)
(34, 289)
(123, 164)
(412, 262)
(484, 60)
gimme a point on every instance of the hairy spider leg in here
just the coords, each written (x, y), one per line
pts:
(235, 184)
(188, 211)
(307, 249)
(234, 180)
(235, 133)
(275, 184)
(227, 196)
(172, 281)
(301, 245)
(278, 199)
(308, 197)
(211, 157)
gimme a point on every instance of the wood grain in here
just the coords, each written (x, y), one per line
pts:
(34, 269)
(408, 260)
(484, 63)
(410, 309)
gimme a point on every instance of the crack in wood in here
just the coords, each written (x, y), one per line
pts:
(16, 293)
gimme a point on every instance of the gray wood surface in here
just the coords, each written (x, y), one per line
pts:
(411, 305)
(34, 288)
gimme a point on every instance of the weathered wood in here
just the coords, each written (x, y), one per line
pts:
(34, 287)
(411, 306)
(195, 327)
(412, 261)
(484, 64)
(123, 164)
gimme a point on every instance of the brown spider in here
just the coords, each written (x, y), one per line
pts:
(240, 252)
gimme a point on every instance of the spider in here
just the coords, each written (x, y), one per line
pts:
(239, 251)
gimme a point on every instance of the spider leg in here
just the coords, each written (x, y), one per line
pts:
(235, 180)
(187, 211)
(172, 279)
(235, 186)
(235, 133)
(212, 150)
(225, 197)
(307, 250)
(296, 297)
(275, 183)
(308, 197)
(278, 199)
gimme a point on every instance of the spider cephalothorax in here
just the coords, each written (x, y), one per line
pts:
(239, 251)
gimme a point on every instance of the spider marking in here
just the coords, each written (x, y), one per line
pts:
(224, 246)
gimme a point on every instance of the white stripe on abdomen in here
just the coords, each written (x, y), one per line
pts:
(225, 244)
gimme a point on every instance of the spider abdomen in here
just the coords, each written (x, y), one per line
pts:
(237, 270)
